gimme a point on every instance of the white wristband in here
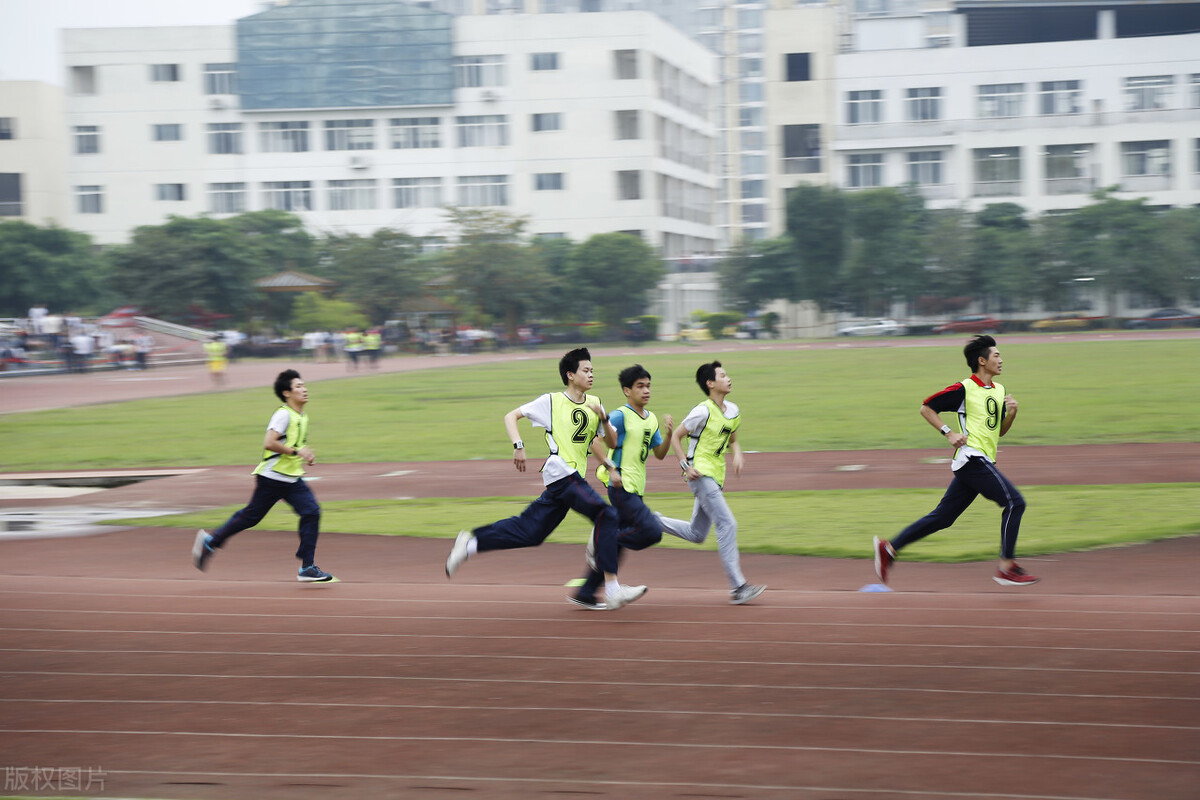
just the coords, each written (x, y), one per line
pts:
(945, 429)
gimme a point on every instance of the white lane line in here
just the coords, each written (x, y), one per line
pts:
(539, 657)
(588, 710)
(493, 780)
(577, 617)
(225, 677)
(792, 748)
(621, 639)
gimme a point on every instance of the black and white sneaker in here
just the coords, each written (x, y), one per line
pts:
(589, 602)
(745, 593)
(314, 574)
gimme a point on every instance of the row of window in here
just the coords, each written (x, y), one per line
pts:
(404, 133)
(363, 194)
(1066, 168)
(997, 100)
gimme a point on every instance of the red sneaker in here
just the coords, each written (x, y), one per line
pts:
(1014, 576)
(884, 556)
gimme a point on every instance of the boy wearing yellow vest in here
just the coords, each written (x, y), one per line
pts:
(985, 413)
(572, 419)
(278, 476)
(638, 435)
(711, 428)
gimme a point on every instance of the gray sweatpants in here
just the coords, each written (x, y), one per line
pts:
(710, 509)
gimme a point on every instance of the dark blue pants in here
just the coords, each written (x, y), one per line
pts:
(267, 493)
(637, 529)
(539, 519)
(977, 477)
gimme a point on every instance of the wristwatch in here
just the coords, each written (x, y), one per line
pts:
(518, 445)
(945, 429)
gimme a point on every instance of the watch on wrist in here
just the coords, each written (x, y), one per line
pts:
(295, 451)
(518, 445)
(945, 429)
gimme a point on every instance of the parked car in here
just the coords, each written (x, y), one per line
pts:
(1165, 318)
(971, 323)
(873, 327)
(1074, 321)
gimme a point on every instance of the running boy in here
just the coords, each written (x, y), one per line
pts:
(985, 413)
(572, 419)
(278, 476)
(638, 435)
(711, 428)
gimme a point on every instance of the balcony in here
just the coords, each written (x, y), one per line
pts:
(1069, 185)
(1145, 183)
(996, 188)
(801, 165)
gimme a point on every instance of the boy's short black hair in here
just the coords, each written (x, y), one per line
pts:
(706, 373)
(978, 348)
(283, 382)
(631, 375)
(570, 362)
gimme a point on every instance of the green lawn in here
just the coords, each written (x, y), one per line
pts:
(803, 399)
(828, 523)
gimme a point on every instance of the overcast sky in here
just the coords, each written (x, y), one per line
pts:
(29, 40)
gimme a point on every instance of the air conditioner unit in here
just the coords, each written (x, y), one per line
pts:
(359, 162)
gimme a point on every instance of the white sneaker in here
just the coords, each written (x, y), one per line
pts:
(458, 553)
(589, 553)
(623, 596)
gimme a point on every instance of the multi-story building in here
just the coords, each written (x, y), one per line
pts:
(1035, 102)
(361, 114)
(32, 153)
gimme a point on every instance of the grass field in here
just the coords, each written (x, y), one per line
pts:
(1070, 392)
(836, 524)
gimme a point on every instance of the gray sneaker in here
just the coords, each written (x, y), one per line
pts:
(745, 593)
(458, 553)
(201, 549)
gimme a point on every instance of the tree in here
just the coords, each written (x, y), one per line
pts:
(1113, 241)
(817, 224)
(1002, 255)
(376, 273)
(617, 274)
(755, 273)
(51, 265)
(887, 250)
(313, 312)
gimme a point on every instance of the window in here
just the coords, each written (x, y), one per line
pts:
(750, 67)
(164, 73)
(749, 18)
(1001, 100)
(350, 134)
(543, 62)
(10, 194)
(864, 107)
(750, 42)
(754, 188)
(753, 140)
(1194, 93)
(227, 198)
(89, 199)
(1061, 97)
(548, 182)
(167, 133)
(796, 67)
(8, 128)
(352, 195)
(546, 122)
(87, 139)
(924, 103)
(220, 78)
(1149, 93)
(801, 149)
(288, 195)
(753, 213)
(1145, 158)
(283, 137)
(750, 117)
(1066, 166)
(626, 64)
(416, 133)
(225, 138)
(750, 92)
(1196, 164)
(83, 81)
(172, 192)
(487, 130)
(997, 171)
(474, 71)
(629, 184)
(925, 167)
(417, 192)
(483, 190)
(752, 164)
(864, 170)
(628, 125)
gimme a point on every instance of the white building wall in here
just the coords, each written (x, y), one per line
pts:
(36, 151)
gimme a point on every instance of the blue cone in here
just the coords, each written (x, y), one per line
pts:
(875, 587)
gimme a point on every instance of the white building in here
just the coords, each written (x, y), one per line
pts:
(1035, 102)
(33, 176)
(361, 114)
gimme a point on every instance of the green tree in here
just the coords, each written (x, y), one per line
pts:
(1002, 256)
(617, 273)
(376, 273)
(51, 265)
(312, 312)
(887, 257)
(755, 273)
(1113, 241)
(1175, 275)
(817, 224)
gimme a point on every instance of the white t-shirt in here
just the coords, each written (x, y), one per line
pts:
(538, 412)
(697, 418)
(279, 423)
